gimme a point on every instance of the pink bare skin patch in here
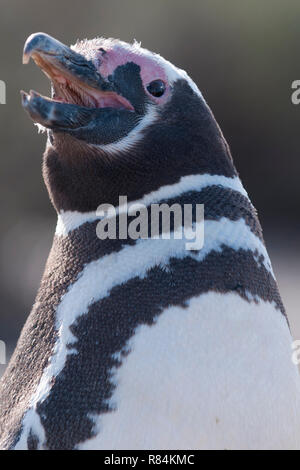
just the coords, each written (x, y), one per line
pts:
(109, 58)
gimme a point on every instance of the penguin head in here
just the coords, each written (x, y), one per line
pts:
(121, 121)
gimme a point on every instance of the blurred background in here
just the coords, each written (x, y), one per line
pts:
(243, 56)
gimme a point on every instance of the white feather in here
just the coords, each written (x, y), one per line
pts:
(214, 375)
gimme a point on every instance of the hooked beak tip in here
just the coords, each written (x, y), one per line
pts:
(40, 43)
(30, 45)
(49, 54)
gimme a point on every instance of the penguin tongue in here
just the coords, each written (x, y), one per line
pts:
(75, 93)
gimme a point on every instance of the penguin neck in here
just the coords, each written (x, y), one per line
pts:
(229, 215)
(69, 220)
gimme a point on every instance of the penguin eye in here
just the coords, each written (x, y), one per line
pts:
(156, 88)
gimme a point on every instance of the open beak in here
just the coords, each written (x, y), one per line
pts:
(78, 89)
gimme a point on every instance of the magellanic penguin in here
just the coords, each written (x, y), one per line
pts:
(141, 343)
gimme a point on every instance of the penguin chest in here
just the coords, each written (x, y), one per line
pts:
(216, 373)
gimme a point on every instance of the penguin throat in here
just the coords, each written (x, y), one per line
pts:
(69, 92)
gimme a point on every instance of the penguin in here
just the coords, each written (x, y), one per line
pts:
(139, 343)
